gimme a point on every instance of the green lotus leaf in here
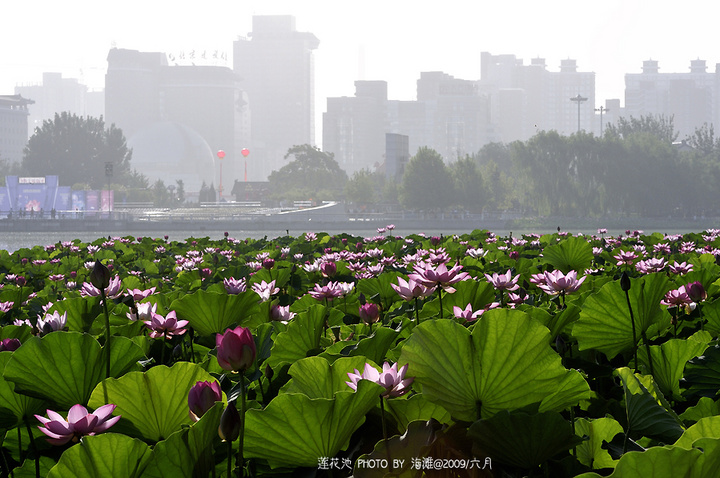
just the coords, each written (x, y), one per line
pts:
(187, 452)
(374, 347)
(705, 407)
(302, 336)
(27, 470)
(521, 439)
(81, 312)
(108, 454)
(702, 461)
(572, 253)
(590, 452)
(708, 427)
(416, 407)
(380, 286)
(20, 332)
(14, 406)
(702, 374)
(65, 367)
(476, 293)
(414, 444)
(317, 378)
(295, 430)
(647, 412)
(669, 360)
(212, 313)
(506, 363)
(605, 324)
(153, 404)
(711, 313)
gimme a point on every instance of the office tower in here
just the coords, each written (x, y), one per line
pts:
(276, 68)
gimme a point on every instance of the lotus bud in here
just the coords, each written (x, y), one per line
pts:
(369, 313)
(9, 345)
(229, 429)
(100, 276)
(625, 282)
(268, 263)
(235, 349)
(202, 397)
(696, 291)
(328, 269)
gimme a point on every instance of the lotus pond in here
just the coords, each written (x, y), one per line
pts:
(557, 355)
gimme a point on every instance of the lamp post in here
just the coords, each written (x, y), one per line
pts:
(602, 110)
(220, 155)
(578, 99)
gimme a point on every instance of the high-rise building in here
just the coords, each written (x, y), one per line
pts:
(276, 67)
(13, 127)
(204, 104)
(354, 127)
(690, 98)
(57, 94)
(526, 99)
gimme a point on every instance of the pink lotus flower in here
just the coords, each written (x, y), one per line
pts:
(139, 294)
(467, 313)
(391, 378)
(265, 289)
(410, 289)
(112, 291)
(556, 282)
(79, 423)
(651, 265)
(281, 313)
(166, 326)
(680, 268)
(625, 257)
(439, 276)
(234, 286)
(330, 291)
(6, 306)
(52, 322)
(503, 281)
(328, 269)
(676, 298)
(235, 349)
(201, 397)
(145, 312)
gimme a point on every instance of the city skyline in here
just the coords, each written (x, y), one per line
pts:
(393, 41)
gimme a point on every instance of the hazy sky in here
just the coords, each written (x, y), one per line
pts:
(399, 38)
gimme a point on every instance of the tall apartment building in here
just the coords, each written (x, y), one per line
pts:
(277, 69)
(526, 99)
(691, 98)
(13, 127)
(200, 109)
(57, 94)
(354, 127)
(448, 116)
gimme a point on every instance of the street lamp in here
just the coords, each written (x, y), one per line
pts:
(602, 110)
(578, 99)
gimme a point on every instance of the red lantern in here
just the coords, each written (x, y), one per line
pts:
(245, 152)
(221, 154)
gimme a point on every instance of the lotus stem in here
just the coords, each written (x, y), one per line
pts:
(632, 320)
(440, 298)
(385, 435)
(417, 312)
(229, 459)
(647, 349)
(107, 332)
(32, 445)
(240, 458)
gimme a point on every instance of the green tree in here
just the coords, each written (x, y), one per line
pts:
(468, 184)
(365, 188)
(427, 183)
(661, 126)
(77, 150)
(313, 174)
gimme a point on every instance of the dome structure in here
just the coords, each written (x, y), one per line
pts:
(172, 151)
